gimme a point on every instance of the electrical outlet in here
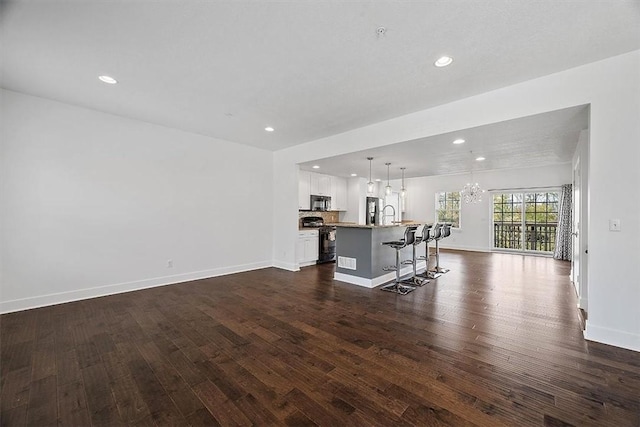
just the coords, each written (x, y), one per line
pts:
(614, 225)
(169, 263)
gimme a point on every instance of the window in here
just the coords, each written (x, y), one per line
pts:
(448, 208)
(525, 221)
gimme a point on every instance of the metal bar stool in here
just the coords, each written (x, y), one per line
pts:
(435, 232)
(399, 286)
(417, 279)
(445, 232)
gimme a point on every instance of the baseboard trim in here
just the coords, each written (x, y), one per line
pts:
(307, 263)
(118, 288)
(376, 281)
(285, 266)
(614, 337)
(354, 280)
(465, 248)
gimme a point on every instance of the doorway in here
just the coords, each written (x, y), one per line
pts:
(525, 221)
(580, 258)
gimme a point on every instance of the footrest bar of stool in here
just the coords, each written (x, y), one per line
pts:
(413, 281)
(419, 281)
(431, 274)
(398, 288)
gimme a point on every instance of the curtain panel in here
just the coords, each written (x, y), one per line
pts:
(563, 249)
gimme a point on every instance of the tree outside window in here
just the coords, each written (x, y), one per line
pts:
(526, 220)
(448, 208)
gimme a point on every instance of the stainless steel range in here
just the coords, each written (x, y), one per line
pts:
(327, 239)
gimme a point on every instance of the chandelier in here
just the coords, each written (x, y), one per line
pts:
(472, 193)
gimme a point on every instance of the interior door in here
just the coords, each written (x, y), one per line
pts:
(575, 259)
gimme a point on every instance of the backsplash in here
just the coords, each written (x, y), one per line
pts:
(327, 216)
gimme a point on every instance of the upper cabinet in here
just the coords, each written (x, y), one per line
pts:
(338, 194)
(304, 190)
(321, 185)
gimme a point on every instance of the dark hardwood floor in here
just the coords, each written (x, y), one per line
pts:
(496, 341)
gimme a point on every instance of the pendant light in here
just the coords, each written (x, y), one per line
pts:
(388, 190)
(403, 191)
(370, 184)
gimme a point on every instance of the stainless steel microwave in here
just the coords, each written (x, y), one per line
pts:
(320, 203)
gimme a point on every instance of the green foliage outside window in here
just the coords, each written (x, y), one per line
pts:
(538, 207)
(448, 208)
(538, 230)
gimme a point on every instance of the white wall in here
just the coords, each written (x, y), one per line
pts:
(611, 87)
(93, 204)
(475, 232)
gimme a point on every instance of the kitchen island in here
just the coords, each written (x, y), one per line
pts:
(360, 255)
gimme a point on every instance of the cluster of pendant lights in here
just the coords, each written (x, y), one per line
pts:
(387, 190)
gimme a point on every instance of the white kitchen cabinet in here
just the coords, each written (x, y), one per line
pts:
(320, 184)
(338, 194)
(304, 190)
(307, 247)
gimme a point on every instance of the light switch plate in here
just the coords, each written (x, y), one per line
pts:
(614, 225)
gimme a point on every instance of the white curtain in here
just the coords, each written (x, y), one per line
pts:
(565, 223)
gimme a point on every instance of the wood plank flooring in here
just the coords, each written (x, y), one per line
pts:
(495, 342)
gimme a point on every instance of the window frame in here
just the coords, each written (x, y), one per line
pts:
(523, 220)
(458, 210)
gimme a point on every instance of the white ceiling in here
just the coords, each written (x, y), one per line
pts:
(540, 140)
(310, 69)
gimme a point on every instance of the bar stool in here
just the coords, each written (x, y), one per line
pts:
(435, 232)
(417, 280)
(399, 286)
(446, 232)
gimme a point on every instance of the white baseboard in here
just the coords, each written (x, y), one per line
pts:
(465, 248)
(613, 337)
(376, 281)
(354, 280)
(307, 263)
(285, 265)
(118, 288)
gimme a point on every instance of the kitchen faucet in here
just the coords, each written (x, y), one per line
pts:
(394, 214)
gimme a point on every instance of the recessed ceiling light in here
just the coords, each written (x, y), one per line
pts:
(269, 129)
(479, 159)
(459, 141)
(443, 61)
(108, 79)
(378, 180)
(315, 167)
(354, 174)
